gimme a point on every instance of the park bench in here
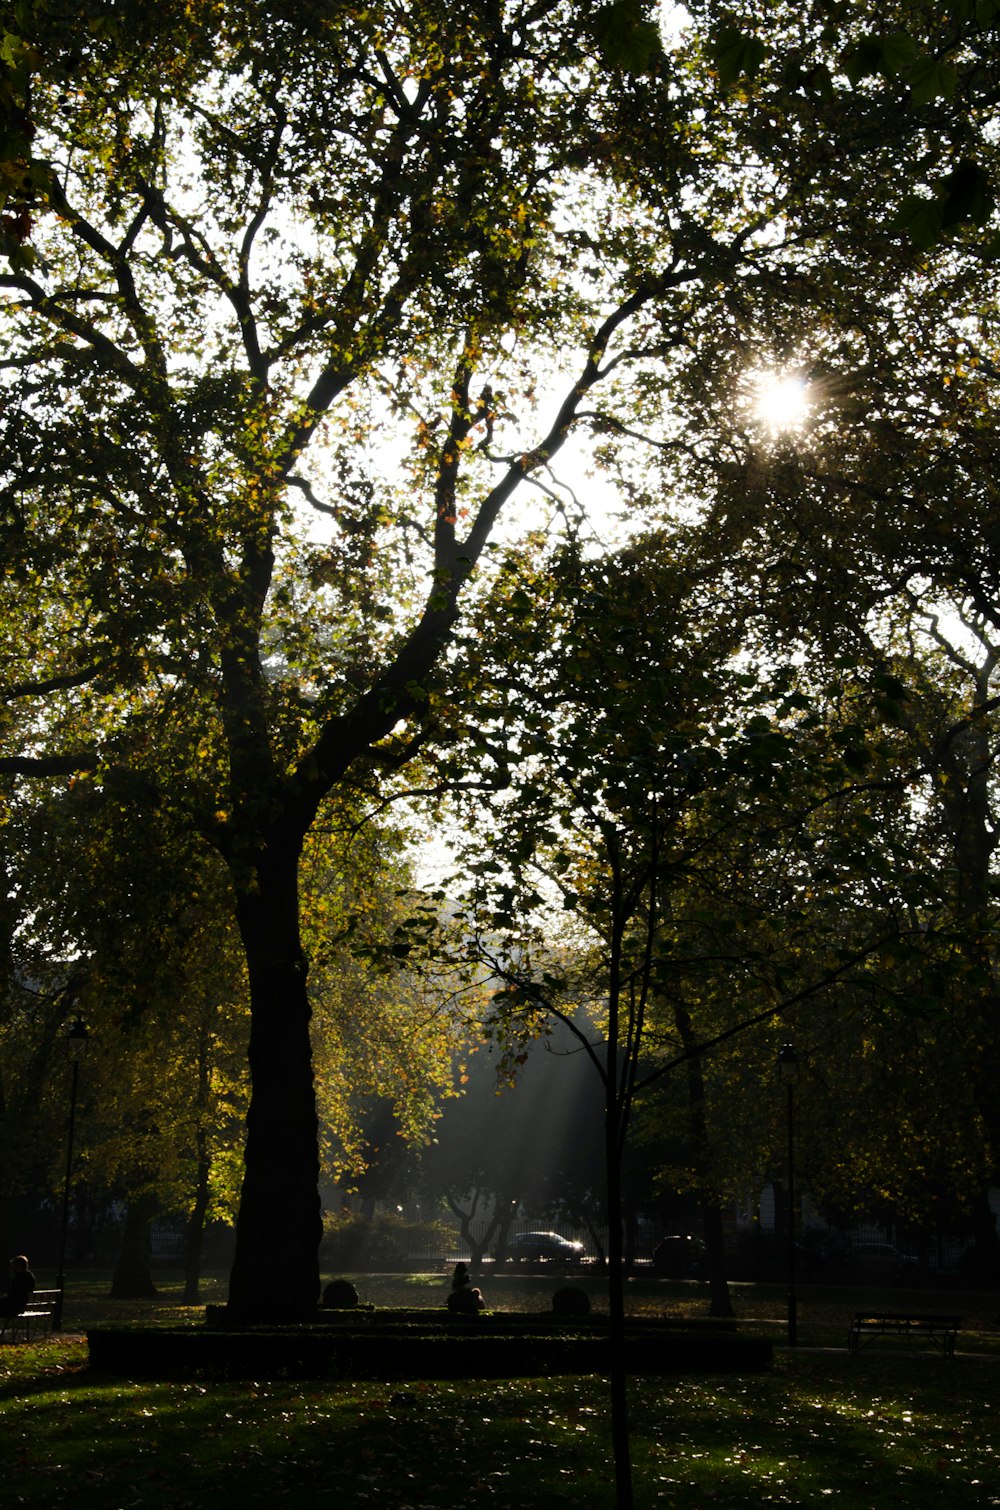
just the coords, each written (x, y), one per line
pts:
(42, 1307)
(940, 1331)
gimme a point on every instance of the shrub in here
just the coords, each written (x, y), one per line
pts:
(384, 1241)
(571, 1301)
(340, 1295)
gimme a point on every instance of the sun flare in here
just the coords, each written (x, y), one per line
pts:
(781, 400)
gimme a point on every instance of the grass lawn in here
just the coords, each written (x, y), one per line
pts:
(821, 1428)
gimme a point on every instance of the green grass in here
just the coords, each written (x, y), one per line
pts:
(822, 1428)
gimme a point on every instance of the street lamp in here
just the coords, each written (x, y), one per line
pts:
(789, 1065)
(76, 1041)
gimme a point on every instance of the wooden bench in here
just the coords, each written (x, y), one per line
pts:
(42, 1307)
(940, 1331)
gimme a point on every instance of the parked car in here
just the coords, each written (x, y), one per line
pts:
(680, 1256)
(544, 1247)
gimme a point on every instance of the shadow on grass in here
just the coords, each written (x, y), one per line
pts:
(827, 1429)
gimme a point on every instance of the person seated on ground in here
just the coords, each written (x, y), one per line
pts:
(20, 1288)
(464, 1298)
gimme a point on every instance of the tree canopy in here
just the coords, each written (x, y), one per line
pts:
(316, 302)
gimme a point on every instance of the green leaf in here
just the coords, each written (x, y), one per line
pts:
(736, 55)
(966, 195)
(931, 80)
(10, 49)
(626, 39)
(898, 52)
(891, 686)
(920, 220)
(862, 60)
(856, 759)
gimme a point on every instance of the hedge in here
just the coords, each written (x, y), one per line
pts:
(366, 1316)
(411, 1349)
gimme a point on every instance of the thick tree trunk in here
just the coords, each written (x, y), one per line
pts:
(275, 1273)
(720, 1301)
(133, 1279)
(967, 802)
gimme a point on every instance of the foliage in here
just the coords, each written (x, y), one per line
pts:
(859, 543)
(935, 70)
(158, 976)
(271, 250)
(315, 294)
(716, 846)
(354, 1241)
(127, 923)
(46, 47)
(868, 532)
(387, 1025)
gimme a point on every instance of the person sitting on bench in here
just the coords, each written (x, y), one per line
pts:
(20, 1288)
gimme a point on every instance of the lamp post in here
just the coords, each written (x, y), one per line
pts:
(789, 1065)
(76, 1046)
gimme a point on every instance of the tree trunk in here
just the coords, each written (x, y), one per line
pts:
(720, 1303)
(275, 1273)
(6, 1224)
(967, 802)
(618, 1377)
(629, 1220)
(477, 1246)
(194, 1235)
(986, 1244)
(132, 1278)
(7, 1239)
(506, 1221)
(597, 1242)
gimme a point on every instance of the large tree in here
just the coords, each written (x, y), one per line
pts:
(157, 974)
(280, 255)
(316, 291)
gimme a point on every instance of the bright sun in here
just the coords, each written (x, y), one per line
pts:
(781, 400)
